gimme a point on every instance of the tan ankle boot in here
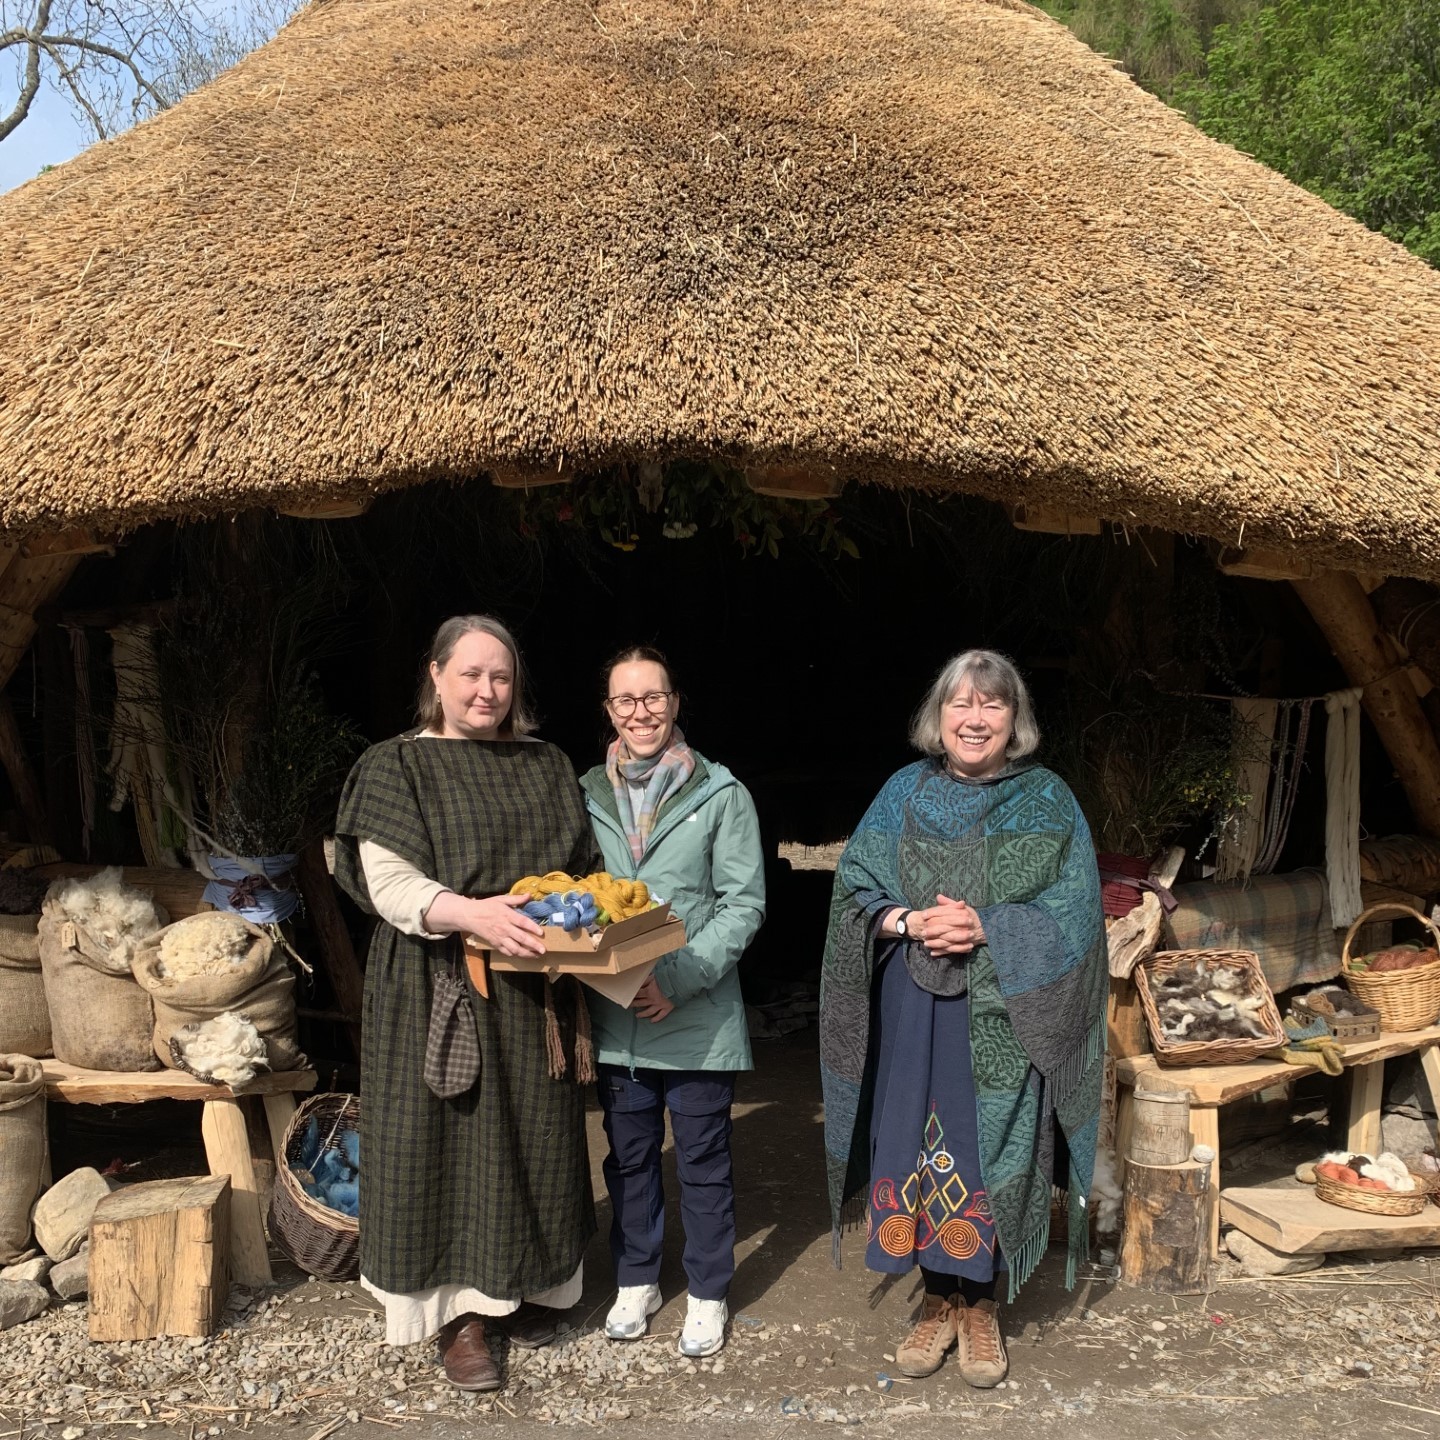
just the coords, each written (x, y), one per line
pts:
(921, 1352)
(983, 1361)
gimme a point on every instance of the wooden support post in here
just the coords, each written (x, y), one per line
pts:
(342, 965)
(1342, 610)
(1367, 1089)
(279, 1111)
(227, 1148)
(25, 586)
(1165, 1246)
(21, 776)
(158, 1255)
(1125, 1028)
(1205, 1130)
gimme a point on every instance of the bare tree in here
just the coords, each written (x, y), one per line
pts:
(117, 61)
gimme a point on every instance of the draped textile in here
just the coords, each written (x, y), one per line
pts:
(1017, 848)
(491, 1189)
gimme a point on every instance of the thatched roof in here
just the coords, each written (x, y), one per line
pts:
(930, 242)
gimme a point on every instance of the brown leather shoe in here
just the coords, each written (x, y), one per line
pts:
(921, 1352)
(983, 1361)
(533, 1326)
(469, 1365)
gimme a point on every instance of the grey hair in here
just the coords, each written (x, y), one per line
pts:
(991, 674)
(519, 719)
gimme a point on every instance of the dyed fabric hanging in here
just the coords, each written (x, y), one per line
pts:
(1239, 843)
(1342, 804)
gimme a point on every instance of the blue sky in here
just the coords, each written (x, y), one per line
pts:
(47, 136)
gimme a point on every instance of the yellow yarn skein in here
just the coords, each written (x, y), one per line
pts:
(619, 899)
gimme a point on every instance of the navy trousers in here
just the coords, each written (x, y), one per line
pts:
(699, 1103)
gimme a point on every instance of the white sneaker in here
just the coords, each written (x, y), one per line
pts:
(704, 1331)
(629, 1316)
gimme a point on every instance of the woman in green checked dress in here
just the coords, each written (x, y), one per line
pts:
(468, 1205)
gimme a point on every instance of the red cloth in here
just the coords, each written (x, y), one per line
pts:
(1116, 897)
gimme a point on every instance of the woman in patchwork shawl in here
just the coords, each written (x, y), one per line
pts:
(477, 1185)
(962, 1015)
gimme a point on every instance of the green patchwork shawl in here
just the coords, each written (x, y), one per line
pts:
(1017, 848)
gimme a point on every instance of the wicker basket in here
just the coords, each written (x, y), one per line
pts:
(319, 1240)
(1209, 1052)
(1406, 999)
(1372, 1202)
(1342, 1027)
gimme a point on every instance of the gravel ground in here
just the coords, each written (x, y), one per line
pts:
(305, 1355)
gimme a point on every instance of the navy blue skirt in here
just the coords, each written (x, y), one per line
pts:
(927, 1197)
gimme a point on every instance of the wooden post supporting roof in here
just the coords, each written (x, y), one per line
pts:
(27, 583)
(1343, 611)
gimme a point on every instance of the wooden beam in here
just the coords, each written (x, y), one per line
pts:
(1256, 564)
(526, 477)
(1047, 520)
(21, 776)
(339, 508)
(347, 979)
(793, 482)
(26, 585)
(1346, 618)
(66, 542)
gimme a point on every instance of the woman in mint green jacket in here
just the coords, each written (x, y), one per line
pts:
(664, 814)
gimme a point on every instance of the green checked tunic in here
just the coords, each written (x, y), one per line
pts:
(491, 1190)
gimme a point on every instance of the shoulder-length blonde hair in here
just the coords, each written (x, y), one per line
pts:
(991, 674)
(519, 719)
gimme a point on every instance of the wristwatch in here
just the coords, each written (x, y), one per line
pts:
(901, 928)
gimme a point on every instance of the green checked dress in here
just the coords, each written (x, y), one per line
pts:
(474, 1203)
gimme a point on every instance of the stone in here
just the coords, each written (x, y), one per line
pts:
(63, 1212)
(1404, 1134)
(1258, 1259)
(36, 1270)
(70, 1279)
(21, 1300)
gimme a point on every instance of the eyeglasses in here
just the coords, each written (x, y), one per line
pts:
(656, 702)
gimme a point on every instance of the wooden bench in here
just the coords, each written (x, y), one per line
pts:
(222, 1123)
(1211, 1086)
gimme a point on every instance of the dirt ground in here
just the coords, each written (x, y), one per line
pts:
(1354, 1346)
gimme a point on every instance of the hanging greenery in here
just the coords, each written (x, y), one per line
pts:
(649, 503)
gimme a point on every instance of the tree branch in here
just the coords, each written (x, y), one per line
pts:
(31, 85)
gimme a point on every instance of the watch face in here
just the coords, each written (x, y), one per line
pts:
(901, 927)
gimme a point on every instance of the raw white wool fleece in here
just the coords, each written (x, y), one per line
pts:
(227, 1048)
(204, 944)
(115, 914)
(1106, 1192)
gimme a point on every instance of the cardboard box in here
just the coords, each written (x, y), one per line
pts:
(616, 961)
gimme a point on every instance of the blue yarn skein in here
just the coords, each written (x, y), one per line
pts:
(574, 910)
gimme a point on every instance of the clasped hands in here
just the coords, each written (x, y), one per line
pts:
(949, 927)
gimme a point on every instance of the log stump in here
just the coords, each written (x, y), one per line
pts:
(159, 1256)
(1167, 1228)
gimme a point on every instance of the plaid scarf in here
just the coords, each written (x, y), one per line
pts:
(662, 775)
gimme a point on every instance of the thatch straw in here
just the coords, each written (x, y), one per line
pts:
(919, 242)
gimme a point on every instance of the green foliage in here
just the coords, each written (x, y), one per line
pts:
(1148, 766)
(687, 498)
(1341, 96)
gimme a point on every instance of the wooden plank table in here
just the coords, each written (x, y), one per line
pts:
(1295, 1221)
(222, 1123)
(1211, 1086)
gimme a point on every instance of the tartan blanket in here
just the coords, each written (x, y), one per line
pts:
(1017, 848)
(1284, 919)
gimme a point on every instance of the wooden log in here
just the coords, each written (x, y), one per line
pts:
(25, 586)
(158, 1259)
(1166, 1244)
(22, 778)
(1343, 612)
(1160, 1129)
(1256, 564)
(1125, 1030)
(227, 1148)
(342, 965)
(1046, 520)
(793, 482)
